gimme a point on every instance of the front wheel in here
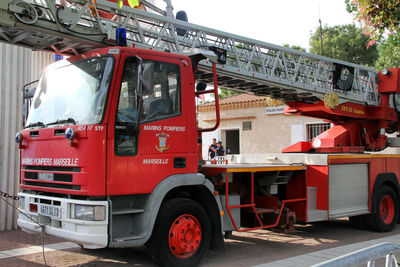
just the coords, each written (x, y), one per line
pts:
(386, 211)
(181, 235)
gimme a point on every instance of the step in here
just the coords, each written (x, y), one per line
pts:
(262, 211)
(127, 211)
(127, 238)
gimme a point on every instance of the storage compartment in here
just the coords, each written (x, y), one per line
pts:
(348, 190)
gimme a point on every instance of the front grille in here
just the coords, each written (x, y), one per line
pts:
(58, 177)
(47, 201)
(52, 168)
(53, 185)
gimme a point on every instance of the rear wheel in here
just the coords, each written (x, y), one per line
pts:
(386, 211)
(181, 235)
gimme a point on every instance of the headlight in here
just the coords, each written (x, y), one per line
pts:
(88, 213)
(21, 203)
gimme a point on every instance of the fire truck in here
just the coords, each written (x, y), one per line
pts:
(111, 148)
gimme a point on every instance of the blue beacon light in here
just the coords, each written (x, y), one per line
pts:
(69, 134)
(18, 138)
(121, 37)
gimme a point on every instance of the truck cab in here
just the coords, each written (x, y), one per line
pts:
(109, 140)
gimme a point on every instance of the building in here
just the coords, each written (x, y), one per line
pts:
(255, 125)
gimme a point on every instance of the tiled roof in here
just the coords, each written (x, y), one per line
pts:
(236, 102)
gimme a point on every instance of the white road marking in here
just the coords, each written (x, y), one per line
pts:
(36, 249)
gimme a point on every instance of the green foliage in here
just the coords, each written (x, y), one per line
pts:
(344, 42)
(376, 16)
(296, 47)
(224, 93)
(389, 53)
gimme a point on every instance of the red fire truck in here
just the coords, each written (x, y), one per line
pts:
(110, 151)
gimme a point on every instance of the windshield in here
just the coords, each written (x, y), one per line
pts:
(73, 93)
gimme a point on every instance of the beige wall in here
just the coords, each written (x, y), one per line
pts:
(269, 133)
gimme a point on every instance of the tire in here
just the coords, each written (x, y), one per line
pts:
(181, 235)
(385, 210)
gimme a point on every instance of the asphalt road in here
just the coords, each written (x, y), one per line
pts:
(243, 249)
(252, 248)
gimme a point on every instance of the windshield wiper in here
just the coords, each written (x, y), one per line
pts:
(35, 124)
(69, 120)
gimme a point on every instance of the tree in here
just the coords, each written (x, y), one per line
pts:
(376, 16)
(296, 47)
(389, 52)
(344, 42)
(224, 93)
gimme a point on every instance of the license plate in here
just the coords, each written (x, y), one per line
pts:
(50, 211)
(46, 176)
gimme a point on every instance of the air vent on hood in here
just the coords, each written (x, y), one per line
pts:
(59, 132)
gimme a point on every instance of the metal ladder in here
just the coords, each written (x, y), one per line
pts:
(73, 27)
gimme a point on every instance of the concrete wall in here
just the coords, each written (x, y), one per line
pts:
(18, 66)
(268, 134)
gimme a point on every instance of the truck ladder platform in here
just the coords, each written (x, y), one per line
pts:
(73, 27)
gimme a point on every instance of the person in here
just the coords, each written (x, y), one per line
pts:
(212, 149)
(220, 149)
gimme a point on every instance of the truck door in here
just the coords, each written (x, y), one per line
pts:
(143, 152)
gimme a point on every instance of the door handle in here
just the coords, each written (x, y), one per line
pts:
(179, 162)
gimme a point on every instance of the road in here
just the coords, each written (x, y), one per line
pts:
(243, 249)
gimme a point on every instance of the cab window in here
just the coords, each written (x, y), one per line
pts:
(165, 99)
(161, 101)
(126, 117)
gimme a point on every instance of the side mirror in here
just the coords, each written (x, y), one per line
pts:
(201, 86)
(29, 92)
(25, 110)
(147, 78)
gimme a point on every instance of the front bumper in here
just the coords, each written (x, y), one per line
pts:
(89, 234)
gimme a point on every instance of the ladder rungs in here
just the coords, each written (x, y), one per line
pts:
(252, 66)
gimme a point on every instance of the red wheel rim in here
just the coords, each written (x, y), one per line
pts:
(185, 236)
(387, 209)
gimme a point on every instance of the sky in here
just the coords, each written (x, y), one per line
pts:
(277, 22)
